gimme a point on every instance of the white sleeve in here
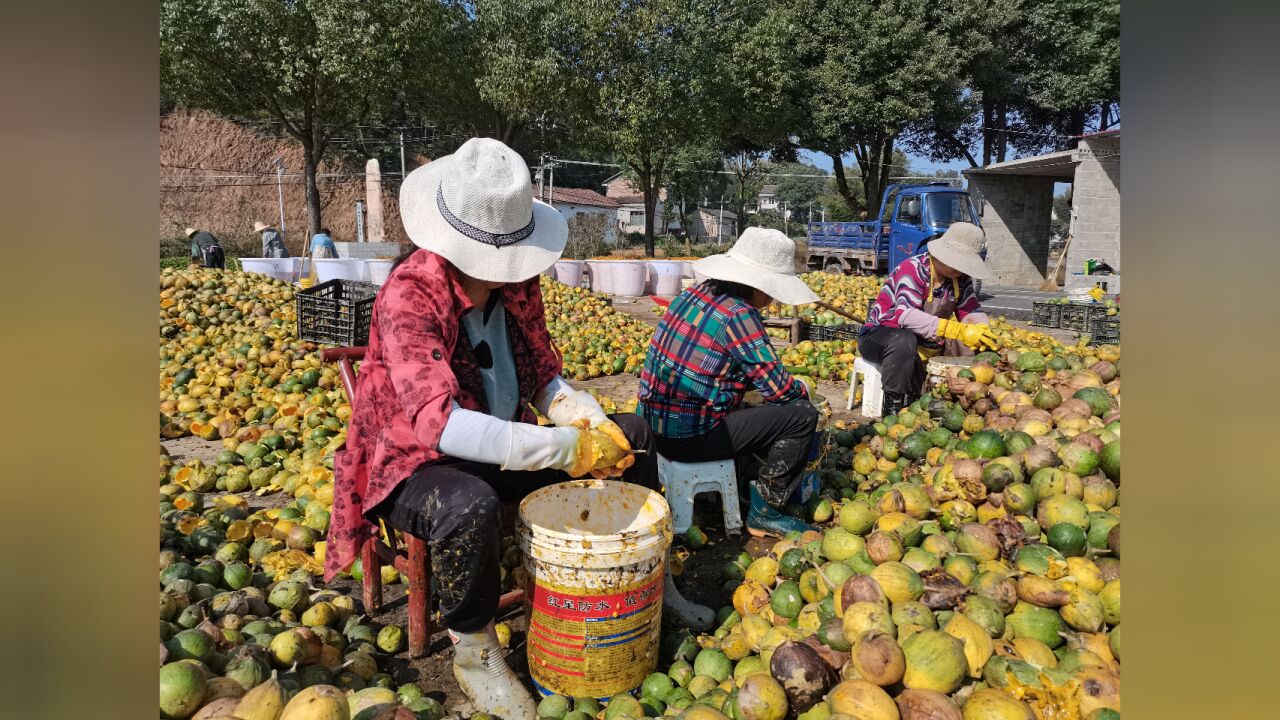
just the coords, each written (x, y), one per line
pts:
(471, 435)
(557, 387)
(565, 406)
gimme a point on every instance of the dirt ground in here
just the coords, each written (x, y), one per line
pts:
(700, 582)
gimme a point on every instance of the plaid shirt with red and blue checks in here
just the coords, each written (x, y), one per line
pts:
(708, 349)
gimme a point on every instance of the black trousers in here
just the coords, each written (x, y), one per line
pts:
(893, 351)
(456, 506)
(779, 433)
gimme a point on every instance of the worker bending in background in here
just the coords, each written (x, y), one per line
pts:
(927, 305)
(709, 349)
(322, 245)
(272, 241)
(205, 250)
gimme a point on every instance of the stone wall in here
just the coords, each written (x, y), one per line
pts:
(1096, 197)
(1016, 220)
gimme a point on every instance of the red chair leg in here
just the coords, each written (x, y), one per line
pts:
(419, 592)
(372, 577)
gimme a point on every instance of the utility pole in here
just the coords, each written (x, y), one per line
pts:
(280, 190)
(720, 222)
(401, 156)
(551, 191)
(784, 219)
(542, 174)
(359, 221)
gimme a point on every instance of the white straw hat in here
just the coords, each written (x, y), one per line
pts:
(260, 226)
(476, 209)
(190, 231)
(762, 259)
(960, 248)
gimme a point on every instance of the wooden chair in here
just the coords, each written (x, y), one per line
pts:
(413, 560)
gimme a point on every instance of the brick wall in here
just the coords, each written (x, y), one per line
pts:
(1096, 197)
(1016, 220)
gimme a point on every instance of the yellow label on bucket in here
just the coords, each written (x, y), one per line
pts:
(594, 644)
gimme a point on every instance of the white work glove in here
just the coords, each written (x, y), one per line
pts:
(577, 450)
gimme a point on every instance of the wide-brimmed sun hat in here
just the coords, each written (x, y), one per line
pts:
(260, 226)
(960, 248)
(189, 232)
(762, 259)
(475, 208)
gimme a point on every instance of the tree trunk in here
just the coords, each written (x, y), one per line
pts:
(1002, 122)
(871, 185)
(988, 133)
(1105, 121)
(842, 182)
(312, 192)
(650, 205)
(1076, 123)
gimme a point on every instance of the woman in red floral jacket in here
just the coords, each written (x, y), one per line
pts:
(441, 432)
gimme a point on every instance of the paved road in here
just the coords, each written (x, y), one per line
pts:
(1012, 302)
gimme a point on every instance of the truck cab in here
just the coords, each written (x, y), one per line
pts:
(910, 216)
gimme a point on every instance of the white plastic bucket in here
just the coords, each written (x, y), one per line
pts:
(600, 275)
(340, 269)
(595, 554)
(688, 268)
(627, 277)
(665, 275)
(569, 272)
(379, 270)
(285, 269)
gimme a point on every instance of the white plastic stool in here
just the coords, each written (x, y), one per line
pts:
(872, 393)
(681, 481)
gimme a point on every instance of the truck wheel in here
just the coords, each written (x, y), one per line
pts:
(834, 267)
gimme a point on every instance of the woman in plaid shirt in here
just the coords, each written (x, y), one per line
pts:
(710, 348)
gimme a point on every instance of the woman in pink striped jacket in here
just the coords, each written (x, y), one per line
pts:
(928, 300)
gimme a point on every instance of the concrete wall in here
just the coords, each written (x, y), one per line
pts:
(1016, 220)
(1096, 197)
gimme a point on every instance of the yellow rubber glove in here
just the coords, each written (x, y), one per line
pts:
(976, 336)
(1097, 294)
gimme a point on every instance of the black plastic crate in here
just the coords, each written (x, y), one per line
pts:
(1075, 316)
(1046, 314)
(818, 333)
(848, 331)
(336, 312)
(1105, 330)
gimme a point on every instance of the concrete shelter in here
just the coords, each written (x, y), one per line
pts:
(1018, 206)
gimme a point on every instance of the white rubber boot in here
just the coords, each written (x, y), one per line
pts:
(486, 679)
(678, 611)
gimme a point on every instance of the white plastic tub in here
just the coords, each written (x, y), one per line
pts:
(286, 269)
(627, 277)
(665, 276)
(379, 270)
(569, 272)
(600, 275)
(341, 269)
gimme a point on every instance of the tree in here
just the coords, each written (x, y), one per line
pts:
(316, 67)
(658, 77)
(797, 192)
(870, 70)
(1052, 75)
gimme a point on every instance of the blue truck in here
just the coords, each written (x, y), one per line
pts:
(910, 216)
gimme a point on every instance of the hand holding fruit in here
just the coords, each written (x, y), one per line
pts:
(602, 451)
(975, 335)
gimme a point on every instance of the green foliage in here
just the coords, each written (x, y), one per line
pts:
(300, 64)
